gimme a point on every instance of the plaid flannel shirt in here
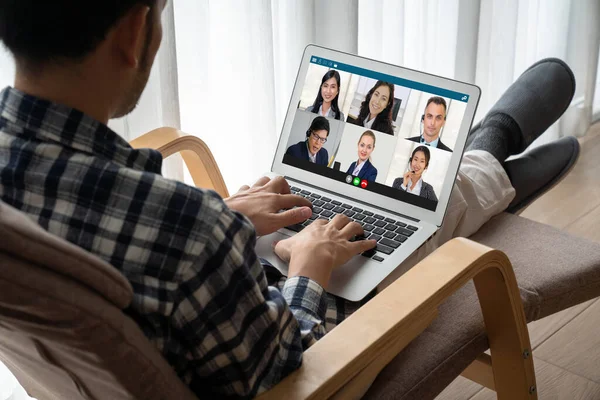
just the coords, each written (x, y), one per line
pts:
(201, 294)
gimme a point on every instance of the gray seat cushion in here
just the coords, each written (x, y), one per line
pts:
(554, 271)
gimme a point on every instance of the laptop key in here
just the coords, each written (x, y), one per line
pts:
(391, 227)
(295, 189)
(380, 223)
(346, 205)
(390, 221)
(295, 227)
(337, 203)
(378, 216)
(349, 213)
(377, 258)
(305, 192)
(327, 199)
(307, 222)
(326, 213)
(401, 224)
(389, 235)
(404, 232)
(359, 217)
(368, 227)
(318, 203)
(316, 196)
(373, 236)
(313, 216)
(357, 209)
(391, 243)
(369, 220)
(412, 228)
(368, 213)
(368, 253)
(339, 209)
(317, 210)
(378, 231)
(328, 206)
(384, 249)
(400, 238)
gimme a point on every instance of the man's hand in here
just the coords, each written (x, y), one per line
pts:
(262, 202)
(322, 246)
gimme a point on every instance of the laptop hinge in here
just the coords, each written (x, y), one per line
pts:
(353, 199)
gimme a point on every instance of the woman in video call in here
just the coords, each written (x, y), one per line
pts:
(363, 167)
(412, 181)
(326, 103)
(311, 148)
(376, 110)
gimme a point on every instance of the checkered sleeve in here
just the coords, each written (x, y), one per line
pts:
(244, 336)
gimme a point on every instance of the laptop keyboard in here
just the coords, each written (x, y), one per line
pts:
(389, 233)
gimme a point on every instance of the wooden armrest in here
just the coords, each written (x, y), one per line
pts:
(195, 153)
(344, 362)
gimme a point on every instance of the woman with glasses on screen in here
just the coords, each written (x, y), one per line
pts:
(412, 181)
(326, 103)
(311, 148)
(376, 110)
(363, 167)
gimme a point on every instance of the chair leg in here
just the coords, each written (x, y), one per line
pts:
(511, 359)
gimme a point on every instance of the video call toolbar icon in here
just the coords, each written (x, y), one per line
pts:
(464, 98)
(363, 184)
(356, 181)
(349, 179)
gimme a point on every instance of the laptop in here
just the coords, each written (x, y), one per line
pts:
(355, 129)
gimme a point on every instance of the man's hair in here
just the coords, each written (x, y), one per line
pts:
(318, 124)
(439, 101)
(42, 31)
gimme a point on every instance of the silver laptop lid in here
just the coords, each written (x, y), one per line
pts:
(362, 128)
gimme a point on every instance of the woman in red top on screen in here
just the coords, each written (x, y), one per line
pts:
(326, 103)
(376, 110)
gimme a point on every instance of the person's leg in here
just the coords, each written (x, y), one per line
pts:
(483, 187)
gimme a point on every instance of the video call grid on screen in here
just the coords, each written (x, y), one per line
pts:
(379, 123)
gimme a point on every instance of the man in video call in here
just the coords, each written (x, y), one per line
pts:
(311, 148)
(201, 295)
(433, 120)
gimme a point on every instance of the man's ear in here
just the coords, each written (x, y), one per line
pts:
(130, 35)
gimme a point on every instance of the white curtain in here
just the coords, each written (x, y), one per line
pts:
(237, 60)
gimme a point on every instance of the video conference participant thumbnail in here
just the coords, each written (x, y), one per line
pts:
(376, 109)
(326, 102)
(412, 181)
(311, 148)
(433, 119)
(362, 167)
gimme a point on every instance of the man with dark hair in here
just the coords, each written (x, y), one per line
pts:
(201, 295)
(433, 119)
(311, 148)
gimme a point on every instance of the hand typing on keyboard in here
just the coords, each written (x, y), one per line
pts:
(322, 246)
(262, 202)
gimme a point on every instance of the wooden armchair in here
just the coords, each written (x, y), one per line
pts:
(64, 335)
(344, 363)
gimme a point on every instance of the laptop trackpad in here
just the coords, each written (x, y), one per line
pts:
(264, 249)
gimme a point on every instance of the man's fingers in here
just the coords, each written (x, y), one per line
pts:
(261, 182)
(291, 200)
(361, 246)
(245, 187)
(352, 229)
(339, 221)
(278, 185)
(293, 216)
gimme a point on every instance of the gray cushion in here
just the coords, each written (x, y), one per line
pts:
(554, 271)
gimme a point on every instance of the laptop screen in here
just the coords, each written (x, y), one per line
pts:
(374, 131)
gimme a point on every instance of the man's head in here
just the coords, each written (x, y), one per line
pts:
(317, 134)
(434, 118)
(111, 42)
